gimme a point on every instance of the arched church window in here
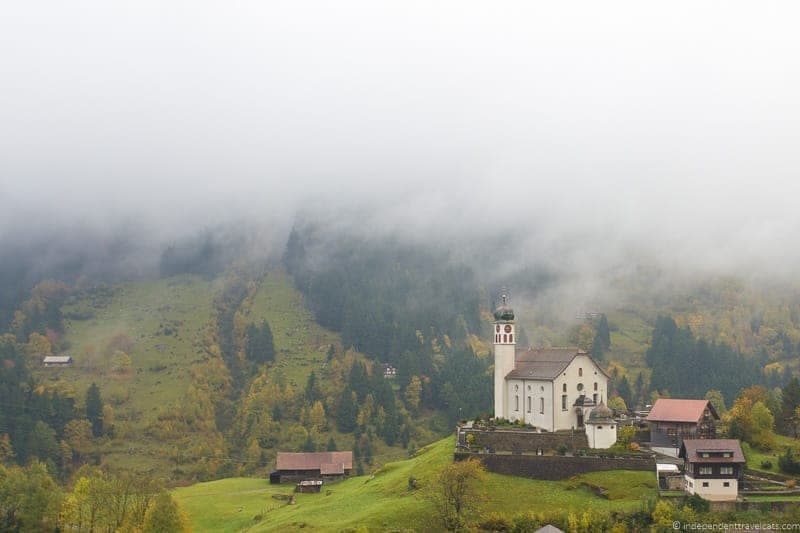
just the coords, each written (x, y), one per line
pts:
(564, 387)
(511, 337)
(505, 337)
(529, 404)
(580, 372)
(516, 402)
(595, 385)
(541, 405)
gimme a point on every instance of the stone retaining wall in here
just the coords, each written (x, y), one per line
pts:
(556, 467)
(509, 440)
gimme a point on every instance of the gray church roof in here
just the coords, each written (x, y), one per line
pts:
(544, 363)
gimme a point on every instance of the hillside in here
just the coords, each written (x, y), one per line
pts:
(159, 325)
(383, 500)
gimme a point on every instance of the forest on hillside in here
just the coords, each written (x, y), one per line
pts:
(247, 392)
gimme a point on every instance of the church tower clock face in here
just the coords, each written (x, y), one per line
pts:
(497, 328)
(508, 328)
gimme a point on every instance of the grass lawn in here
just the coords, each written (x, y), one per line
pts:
(300, 343)
(755, 456)
(383, 501)
(777, 498)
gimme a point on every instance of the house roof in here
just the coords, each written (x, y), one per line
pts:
(674, 410)
(692, 448)
(314, 461)
(57, 359)
(549, 528)
(331, 468)
(545, 363)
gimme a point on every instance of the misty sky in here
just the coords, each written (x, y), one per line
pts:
(671, 128)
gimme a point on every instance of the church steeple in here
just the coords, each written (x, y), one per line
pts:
(504, 354)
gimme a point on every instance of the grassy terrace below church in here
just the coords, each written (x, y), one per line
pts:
(383, 500)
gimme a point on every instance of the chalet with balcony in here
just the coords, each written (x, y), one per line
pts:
(672, 421)
(713, 468)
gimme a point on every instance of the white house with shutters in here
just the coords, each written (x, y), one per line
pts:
(550, 388)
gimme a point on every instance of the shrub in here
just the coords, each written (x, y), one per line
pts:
(787, 462)
(495, 522)
(766, 464)
(698, 503)
(562, 449)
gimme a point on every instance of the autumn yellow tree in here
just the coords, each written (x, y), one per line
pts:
(413, 394)
(457, 490)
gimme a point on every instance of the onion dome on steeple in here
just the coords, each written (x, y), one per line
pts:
(504, 312)
(601, 413)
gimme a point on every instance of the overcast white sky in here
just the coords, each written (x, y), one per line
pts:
(670, 126)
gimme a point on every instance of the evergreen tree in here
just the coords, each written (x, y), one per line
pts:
(347, 411)
(790, 400)
(639, 390)
(624, 390)
(313, 392)
(359, 380)
(94, 409)
(260, 347)
(309, 445)
(603, 332)
(331, 447)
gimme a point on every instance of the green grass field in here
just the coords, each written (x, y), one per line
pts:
(382, 501)
(300, 343)
(164, 320)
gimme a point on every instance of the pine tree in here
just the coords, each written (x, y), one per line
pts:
(624, 390)
(260, 347)
(313, 393)
(94, 409)
(347, 411)
(331, 447)
(790, 400)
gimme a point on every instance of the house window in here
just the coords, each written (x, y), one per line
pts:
(563, 402)
(580, 372)
(705, 471)
(564, 387)
(726, 484)
(529, 404)
(704, 454)
(541, 406)
(726, 470)
(516, 402)
(595, 385)
(705, 483)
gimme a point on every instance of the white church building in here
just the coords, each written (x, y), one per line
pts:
(550, 388)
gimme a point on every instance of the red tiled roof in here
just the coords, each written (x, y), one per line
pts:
(692, 448)
(672, 410)
(313, 460)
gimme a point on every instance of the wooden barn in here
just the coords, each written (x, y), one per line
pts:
(307, 466)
